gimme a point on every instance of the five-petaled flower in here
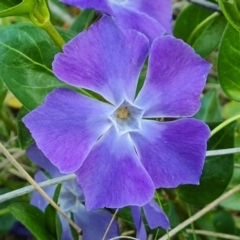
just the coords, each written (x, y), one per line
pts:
(117, 149)
(151, 17)
(92, 223)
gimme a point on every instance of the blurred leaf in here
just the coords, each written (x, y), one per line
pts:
(217, 171)
(207, 38)
(83, 20)
(228, 63)
(231, 109)
(32, 218)
(52, 220)
(210, 110)
(224, 223)
(231, 11)
(24, 136)
(74, 232)
(26, 55)
(15, 7)
(189, 19)
(6, 219)
(232, 202)
(3, 92)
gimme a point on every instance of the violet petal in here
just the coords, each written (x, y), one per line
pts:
(173, 152)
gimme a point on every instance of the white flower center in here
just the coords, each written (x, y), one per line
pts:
(127, 117)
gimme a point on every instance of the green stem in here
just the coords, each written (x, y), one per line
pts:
(4, 211)
(200, 25)
(46, 24)
(224, 124)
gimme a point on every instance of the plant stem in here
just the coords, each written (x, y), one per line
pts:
(224, 124)
(46, 24)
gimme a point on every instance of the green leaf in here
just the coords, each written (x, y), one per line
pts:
(6, 218)
(210, 110)
(189, 19)
(3, 92)
(207, 38)
(217, 171)
(228, 63)
(83, 20)
(16, 7)
(232, 202)
(32, 218)
(74, 232)
(52, 220)
(232, 12)
(26, 55)
(24, 136)
(231, 109)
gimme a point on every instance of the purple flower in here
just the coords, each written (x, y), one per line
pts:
(93, 223)
(117, 149)
(155, 217)
(151, 17)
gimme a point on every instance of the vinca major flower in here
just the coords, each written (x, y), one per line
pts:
(151, 17)
(121, 149)
(93, 223)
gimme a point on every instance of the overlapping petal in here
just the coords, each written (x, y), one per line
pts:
(66, 126)
(104, 60)
(100, 5)
(176, 77)
(95, 223)
(37, 156)
(131, 18)
(155, 215)
(173, 153)
(113, 176)
(138, 222)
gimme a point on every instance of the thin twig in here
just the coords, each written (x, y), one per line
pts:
(110, 224)
(36, 186)
(125, 237)
(200, 213)
(28, 189)
(206, 4)
(213, 234)
(66, 178)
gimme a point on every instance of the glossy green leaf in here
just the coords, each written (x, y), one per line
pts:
(207, 38)
(82, 22)
(15, 7)
(26, 55)
(229, 63)
(32, 218)
(189, 19)
(231, 11)
(24, 136)
(210, 110)
(52, 220)
(217, 171)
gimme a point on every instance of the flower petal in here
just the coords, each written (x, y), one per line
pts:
(173, 153)
(157, 9)
(137, 219)
(37, 199)
(131, 18)
(105, 59)
(37, 156)
(102, 5)
(66, 126)
(95, 223)
(176, 77)
(112, 175)
(155, 216)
